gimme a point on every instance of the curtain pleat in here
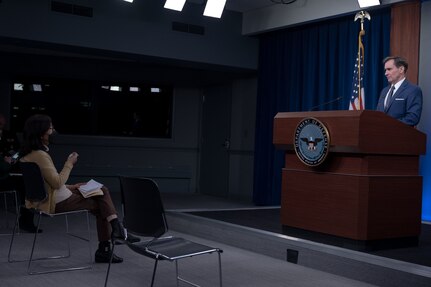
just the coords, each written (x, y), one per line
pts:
(307, 68)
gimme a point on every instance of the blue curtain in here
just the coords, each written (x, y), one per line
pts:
(308, 68)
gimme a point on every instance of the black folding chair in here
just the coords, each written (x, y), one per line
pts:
(144, 216)
(35, 191)
(13, 194)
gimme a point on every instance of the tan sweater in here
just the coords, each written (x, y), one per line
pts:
(53, 179)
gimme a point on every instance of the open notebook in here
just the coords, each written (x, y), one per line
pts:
(91, 188)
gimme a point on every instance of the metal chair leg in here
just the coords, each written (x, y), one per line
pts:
(182, 279)
(109, 265)
(16, 226)
(193, 284)
(154, 272)
(90, 251)
(31, 272)
(219, 268)
(15, 198)
(176, 273)
(34, 243)
(31, 259)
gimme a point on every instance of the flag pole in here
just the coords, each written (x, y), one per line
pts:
(362, 15)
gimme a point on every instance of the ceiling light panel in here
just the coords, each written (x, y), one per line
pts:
(176, 5)
(214, 8)
(368, 3)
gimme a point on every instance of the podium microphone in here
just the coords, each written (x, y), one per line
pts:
(325, 104)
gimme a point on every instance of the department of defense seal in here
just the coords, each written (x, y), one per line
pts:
(311, 141)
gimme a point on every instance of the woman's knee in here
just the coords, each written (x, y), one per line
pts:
(105, 190)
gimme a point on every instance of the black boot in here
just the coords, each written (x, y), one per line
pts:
(118, 231)
(103, 254)
(26, 221)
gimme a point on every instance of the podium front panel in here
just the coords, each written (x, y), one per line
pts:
(352, 206)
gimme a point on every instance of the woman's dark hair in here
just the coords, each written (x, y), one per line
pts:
(34, 129)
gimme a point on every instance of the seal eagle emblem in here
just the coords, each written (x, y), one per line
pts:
(311, 141)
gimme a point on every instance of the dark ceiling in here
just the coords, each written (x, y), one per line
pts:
(30, 59)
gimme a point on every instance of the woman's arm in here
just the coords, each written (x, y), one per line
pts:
(50, 174)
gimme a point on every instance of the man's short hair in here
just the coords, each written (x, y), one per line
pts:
(398, 61)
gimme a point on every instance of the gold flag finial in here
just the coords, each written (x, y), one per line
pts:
(362, 15)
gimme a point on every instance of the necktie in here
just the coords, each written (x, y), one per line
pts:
(389, 97)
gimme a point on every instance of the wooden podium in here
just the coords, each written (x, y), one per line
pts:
(368, 187)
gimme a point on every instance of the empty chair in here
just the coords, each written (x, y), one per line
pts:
(144, 216)
(35, 191)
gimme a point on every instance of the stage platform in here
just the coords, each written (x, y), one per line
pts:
(268, 219)
(258, 229)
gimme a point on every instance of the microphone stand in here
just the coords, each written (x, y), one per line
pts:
(325, 104)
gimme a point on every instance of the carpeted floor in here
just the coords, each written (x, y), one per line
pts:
(241, 268)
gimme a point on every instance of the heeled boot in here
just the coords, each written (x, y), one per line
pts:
(103, 254)
(118, 231)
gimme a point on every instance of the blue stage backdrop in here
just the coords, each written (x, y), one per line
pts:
(424, 125)
(426, 174)
(304, 67)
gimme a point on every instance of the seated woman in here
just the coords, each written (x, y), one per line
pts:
(61, 197)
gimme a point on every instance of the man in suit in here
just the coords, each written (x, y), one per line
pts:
(400, 99)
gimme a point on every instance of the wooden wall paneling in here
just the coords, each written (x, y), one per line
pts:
(405, 35)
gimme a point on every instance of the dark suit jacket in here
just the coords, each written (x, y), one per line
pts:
(405, 105)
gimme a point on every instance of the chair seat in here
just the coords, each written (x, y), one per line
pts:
(171, 248)
(47, 214)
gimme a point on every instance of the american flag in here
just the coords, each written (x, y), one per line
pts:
(357, 100)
